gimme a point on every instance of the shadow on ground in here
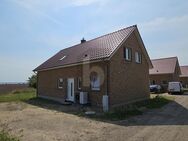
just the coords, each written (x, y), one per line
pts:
(171, 114)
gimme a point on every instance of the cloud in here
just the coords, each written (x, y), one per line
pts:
(161, 23)
(33, 6)
(166, 37)
(86, 2)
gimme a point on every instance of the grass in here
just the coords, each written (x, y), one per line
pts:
(5, 136)
(137, 108)
(185, 89)
(18, 95)
(155, 102)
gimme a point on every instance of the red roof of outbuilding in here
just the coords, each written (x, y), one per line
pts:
(163, 65)
(184, 71)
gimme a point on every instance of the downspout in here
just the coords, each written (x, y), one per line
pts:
(107, 78)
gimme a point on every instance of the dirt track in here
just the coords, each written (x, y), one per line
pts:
(38, 124)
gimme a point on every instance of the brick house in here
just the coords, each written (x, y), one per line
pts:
(184, 76)
(164, 70)
(116, 64)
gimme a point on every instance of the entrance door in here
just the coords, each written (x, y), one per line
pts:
(70, 89)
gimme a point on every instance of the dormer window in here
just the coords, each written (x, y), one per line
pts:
(62, 58)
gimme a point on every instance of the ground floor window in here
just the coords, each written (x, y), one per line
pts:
(95, 81)
(153, 82)
(60, 83)
(79, 81)
(164, 82)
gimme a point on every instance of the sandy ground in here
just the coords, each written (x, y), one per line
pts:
(33, 123)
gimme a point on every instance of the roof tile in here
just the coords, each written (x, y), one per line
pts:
(163, 65)
(184, 71)
(98, 48)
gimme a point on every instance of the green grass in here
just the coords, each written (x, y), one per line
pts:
(137, 108)
(18, 95)
(5, 136)
(185, 89)
(155, 102)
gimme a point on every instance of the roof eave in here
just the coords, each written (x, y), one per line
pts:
(73, 64)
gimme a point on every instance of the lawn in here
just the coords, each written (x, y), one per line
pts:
(18, 95)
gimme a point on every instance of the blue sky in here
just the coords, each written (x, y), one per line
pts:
(31, 31)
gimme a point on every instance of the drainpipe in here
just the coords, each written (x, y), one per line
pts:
(107, 79)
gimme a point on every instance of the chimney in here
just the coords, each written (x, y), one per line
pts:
(83, 40)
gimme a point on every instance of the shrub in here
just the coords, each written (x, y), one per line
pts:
(33, 81)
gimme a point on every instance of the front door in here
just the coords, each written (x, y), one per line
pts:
(70, 89)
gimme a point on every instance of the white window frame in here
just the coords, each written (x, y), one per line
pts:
(62, 81)
(95, 83)
(138, 57)
(128, 54)
(79, 80)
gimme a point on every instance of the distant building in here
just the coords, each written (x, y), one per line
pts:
(184, 76)
(164, 70)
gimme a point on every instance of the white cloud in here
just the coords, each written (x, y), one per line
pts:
(44, 7)
(167, 37)
(86, 2)
(33, 6)
(165, 23)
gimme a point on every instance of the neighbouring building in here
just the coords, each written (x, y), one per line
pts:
(115, 64)
(184, 76)
(164, 70)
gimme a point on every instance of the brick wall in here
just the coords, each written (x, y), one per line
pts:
(48, 82)
(184, 81)
(129, 81)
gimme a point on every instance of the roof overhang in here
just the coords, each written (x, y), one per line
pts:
(184, 76)
(71, 65)
(161, 74)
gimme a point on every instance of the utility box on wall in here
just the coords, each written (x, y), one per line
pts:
(83, 97)
(105, 103)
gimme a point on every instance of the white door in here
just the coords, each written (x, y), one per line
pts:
(70, 89)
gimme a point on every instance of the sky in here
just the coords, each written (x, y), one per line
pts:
(31, 31)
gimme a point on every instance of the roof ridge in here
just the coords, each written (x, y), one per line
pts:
(164, 58)
(100, 36)
(111, 33)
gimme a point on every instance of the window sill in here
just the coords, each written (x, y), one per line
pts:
(95, 89)
(138, 63)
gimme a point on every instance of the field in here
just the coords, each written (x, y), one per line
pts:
(7, 88)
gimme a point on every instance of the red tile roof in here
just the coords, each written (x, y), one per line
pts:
(184, 71)
(163, 66)
(95, 49)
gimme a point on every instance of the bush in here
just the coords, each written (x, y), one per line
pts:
(33, 81)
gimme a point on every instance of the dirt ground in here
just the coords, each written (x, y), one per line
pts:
(33, 123)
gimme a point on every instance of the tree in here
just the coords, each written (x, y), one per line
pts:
(33, 81)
